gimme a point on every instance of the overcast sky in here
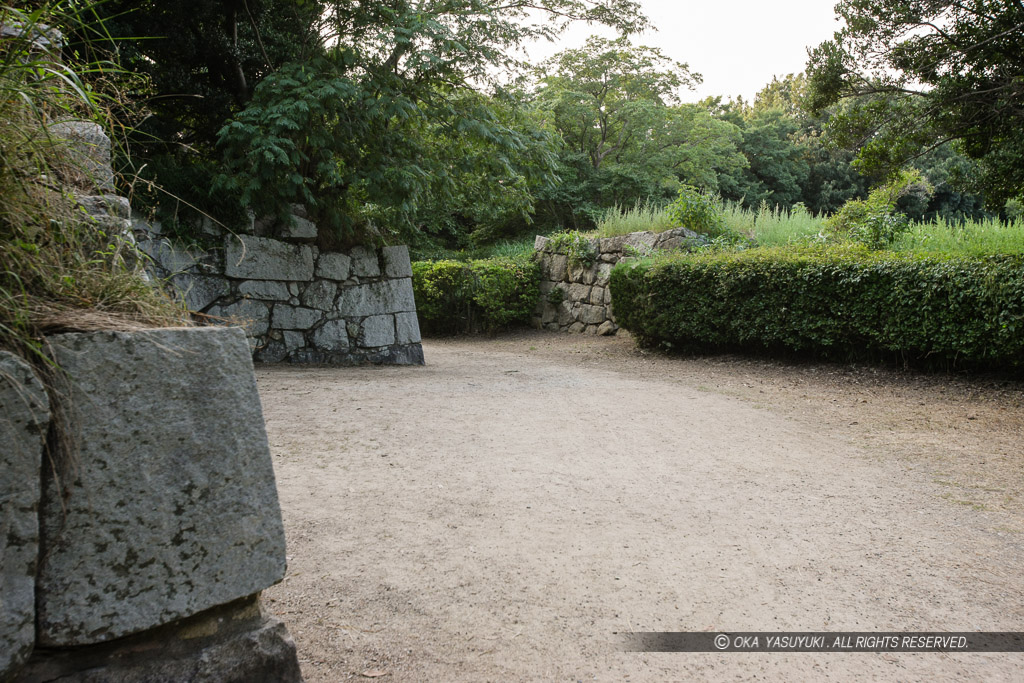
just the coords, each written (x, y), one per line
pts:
(737, 45)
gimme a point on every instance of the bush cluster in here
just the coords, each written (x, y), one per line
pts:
(456, 297)
(842, 302)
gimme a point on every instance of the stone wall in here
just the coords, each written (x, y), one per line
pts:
(142, 553)
(574, 288)
(297, 303)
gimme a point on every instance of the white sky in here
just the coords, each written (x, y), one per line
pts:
(736, 45)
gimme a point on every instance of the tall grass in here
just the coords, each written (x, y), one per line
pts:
(642, 217)
(972, 238)
(773, 226)
(57, 265)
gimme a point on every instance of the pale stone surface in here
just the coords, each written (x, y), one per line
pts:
(607, 328)
(293, 340)
(378, 330)
(294, 317)
(597, 296)
(88, 154)
(386, 296)
(105, 204)
(396, 261)
(267, 291)
(24, 418)
(200, 291)
(332, 336)
(555, 267)
(407, 328)
(592, 315)
(364, 262)
(171, 504)
(540, 243)
(333, 266)
(320, 295)
(299, 229)
(171, 258)
(578, 292)
(251, 316)
(604, 272)
(262, 258)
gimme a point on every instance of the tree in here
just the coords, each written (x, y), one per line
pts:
(915, 74)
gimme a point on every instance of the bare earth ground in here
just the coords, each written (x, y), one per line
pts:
(501, 513)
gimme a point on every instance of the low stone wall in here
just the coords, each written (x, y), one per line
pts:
(297, 303)
(574, 287)
(158, 506)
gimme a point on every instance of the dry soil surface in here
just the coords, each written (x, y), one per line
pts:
(503, 512)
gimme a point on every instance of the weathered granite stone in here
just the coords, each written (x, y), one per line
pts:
(168, 257)
(555, 267)
(298, 228)
(584, 274)
(597, 296)
(540, 243)
(364, 262)
(592, 315)
(565, 315)
(261, 258)
(105, 204)
(87, 163)
(331, 336)
(607, 296)
(378, 330)
(549, 313)
(577, 292)
(294, 340)
(577, 328)
(294, 317)
(265, 290)
(251, 316)
(607, 328)
(591, 329)
(233, 643)
(612, 245)
(274, 351)
(24, 418)
(396, 261)
(200, 291)
(386, 296)
(320, 295)
(170, 506)
(333, 266)
(641, 241)
(604, 273)
(407, 328)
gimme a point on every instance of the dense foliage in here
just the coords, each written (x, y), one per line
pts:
(458, 297)
(841, 302)
(913, 74)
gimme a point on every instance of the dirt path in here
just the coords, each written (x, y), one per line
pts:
(500, 513)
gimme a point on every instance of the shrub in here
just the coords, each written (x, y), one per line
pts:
(843, 302)
(874, 221)
(454, 297)
(697, 211)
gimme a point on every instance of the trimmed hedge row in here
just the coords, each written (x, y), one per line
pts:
(836, 302)
(456, 297)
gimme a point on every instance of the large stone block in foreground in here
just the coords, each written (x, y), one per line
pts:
(169, 504)
(24, 418)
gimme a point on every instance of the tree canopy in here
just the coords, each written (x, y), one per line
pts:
(913, 75)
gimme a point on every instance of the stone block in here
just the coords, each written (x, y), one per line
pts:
(24, 419)
(396, 261)
(378, 330)
(604, 274)
(540, 243)
(320, 295)
(105, 205)
(262, 258)
(407, 328)
(333, 266)
(87, 162)
(332, 336)
(293, 340)
(565, 314)
(251, 316)
(607, 296)
(200, 291)
(582, 274)
(576, 328)
(578, 292)
(549, 313)
(555, 267)
(298, 228)
(377, 298)
(273, 351)
(641, 241)
(612, 245)
(592, 315)
(266, 290)
(364, 262)
(294, 317)
(607, 328)
(169, 505)
(168, 257)
(597, 296)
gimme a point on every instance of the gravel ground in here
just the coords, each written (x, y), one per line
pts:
(502, 513)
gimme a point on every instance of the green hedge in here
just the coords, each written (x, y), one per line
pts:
(843, 302)
(455, 297)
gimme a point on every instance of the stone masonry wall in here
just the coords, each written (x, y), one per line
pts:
(296, 303)
(575, 295)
